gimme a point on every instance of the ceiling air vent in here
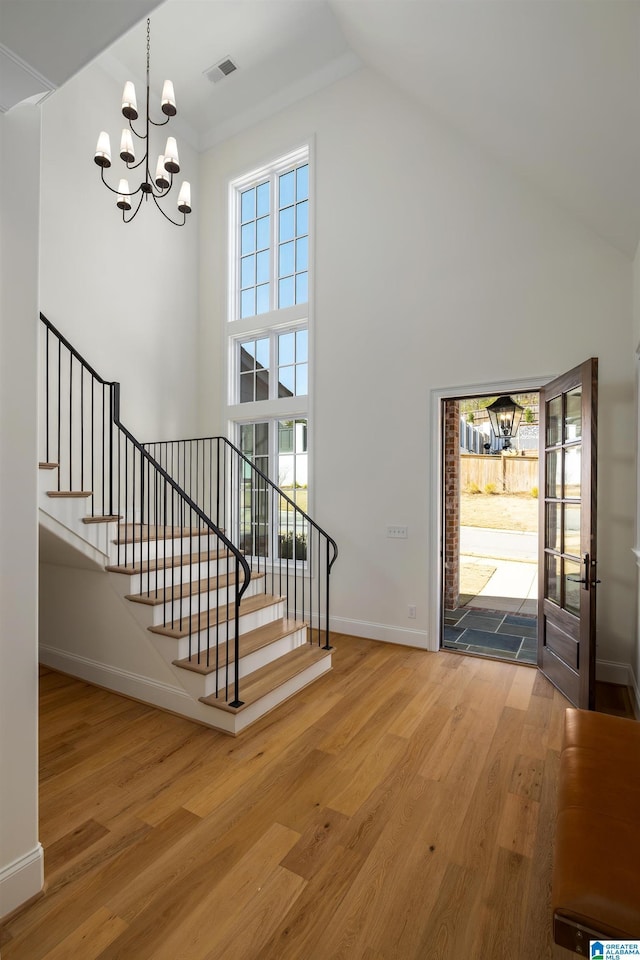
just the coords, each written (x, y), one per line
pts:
(220, 70)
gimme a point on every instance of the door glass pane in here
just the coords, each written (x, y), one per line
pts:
(554, 421)
(572, 472)
(554, 514)
(572, 529)
(552, 578)
(572, 573)
(573, 417)
(554, 474)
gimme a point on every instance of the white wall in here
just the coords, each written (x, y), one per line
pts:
(21, 865)
(434, 267)
(635, 660)
(125, 295)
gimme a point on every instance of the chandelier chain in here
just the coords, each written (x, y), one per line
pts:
(148, 46)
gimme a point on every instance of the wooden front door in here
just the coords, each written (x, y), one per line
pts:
(568, 549)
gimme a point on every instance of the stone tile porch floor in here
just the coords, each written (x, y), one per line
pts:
(501, 620)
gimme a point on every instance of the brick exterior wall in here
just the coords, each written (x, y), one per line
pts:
(451, 505)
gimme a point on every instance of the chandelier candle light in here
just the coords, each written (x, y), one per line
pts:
(168, 163)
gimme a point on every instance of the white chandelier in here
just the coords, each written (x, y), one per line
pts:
(168, 163)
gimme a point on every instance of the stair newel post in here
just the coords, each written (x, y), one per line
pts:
(115, 418)
(82, 435)
(59, 449)
(327, 645)
(237, 702)
(71, 421)
(46, 396)
(142, 518)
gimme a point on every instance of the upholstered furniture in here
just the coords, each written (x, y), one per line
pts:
(596, 879)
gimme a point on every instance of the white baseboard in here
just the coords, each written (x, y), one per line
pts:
(154, 692)
(380, 631)
(608, 671)
(21, 880)
(621, 673)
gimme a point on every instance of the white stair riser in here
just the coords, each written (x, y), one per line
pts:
(184, 573)
(280, 694)
(200, 603)
(178, 649)
(173, 611)
(202, 685)
(132, 553)
(68, 510)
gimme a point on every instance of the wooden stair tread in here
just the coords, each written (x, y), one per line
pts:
(268, 678)
(214, 617)
(181, 591)
(69, 493)
(47, 466)
(166, 563)
(136, 532)
(105, 518)
(249, 643)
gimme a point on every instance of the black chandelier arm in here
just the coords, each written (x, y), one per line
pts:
(119, 192)
(176, 223)
(124, 212)
(151, 191)
(140, 136)
(156, 123)
(134, 166)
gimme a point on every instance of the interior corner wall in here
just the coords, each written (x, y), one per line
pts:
(21, 858)
(435, 267)
(126, 296)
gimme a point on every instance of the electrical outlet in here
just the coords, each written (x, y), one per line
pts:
(412, 611)
(398, 533)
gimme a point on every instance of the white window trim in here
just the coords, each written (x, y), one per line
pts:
(272, 334)
(234, 433)
(271, 172)
(278, 321)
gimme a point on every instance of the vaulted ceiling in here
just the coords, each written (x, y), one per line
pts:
(549, 88)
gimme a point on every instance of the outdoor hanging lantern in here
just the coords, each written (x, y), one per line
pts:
(505, 415)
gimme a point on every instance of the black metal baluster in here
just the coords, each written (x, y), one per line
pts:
(46, 412)
(309, 575)
(70, 421)
(104, 448)
(59, 409)
(301, 568)
(164, 552)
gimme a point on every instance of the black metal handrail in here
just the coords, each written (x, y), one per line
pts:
(150, 507)
(279, 539)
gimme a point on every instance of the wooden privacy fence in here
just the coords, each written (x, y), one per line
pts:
(502, 474)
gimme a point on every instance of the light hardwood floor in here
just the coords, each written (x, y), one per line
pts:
(400, 808)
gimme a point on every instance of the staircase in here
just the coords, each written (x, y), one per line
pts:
(224, 579)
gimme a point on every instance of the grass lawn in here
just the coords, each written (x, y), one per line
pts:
(501, 511)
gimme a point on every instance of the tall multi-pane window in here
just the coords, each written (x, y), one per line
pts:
(293, 236)
(269, 349)
(255, 250)
(273, 242)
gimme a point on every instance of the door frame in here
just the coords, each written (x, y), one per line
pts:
(436, 446)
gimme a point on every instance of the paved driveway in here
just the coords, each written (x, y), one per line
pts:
(498, 544)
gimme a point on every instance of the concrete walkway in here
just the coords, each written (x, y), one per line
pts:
(512, 588)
